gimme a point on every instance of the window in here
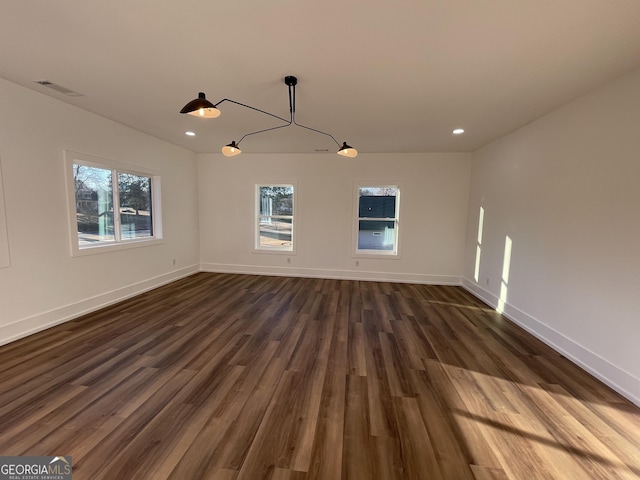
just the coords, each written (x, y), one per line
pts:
(111, 205)
(377, 221)
(274, 218)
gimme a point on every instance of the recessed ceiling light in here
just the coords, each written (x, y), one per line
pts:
(190, 134)
(458, 131)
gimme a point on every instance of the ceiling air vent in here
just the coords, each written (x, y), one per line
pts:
(58, 88)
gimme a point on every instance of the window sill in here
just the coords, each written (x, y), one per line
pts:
(274, 251)
(104, 248)
(377, 254)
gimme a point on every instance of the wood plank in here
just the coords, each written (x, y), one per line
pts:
(326, 455)
(486, 473)
(452, 455)
(358, 458)
(418, 455)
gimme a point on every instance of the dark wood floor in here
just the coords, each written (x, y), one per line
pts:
(224, 376)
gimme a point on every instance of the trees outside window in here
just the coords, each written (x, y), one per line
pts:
(111, 205)
(274, 218)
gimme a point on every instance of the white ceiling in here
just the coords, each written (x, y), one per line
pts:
(384, 76)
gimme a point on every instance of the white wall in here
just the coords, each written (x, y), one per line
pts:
(565, 189)
(4, 238)
(433, 209)
(44, 285)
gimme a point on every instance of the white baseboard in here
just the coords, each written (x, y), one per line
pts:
(36, 323)
(332, 274)
(615, 377)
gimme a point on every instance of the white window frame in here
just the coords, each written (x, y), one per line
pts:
(282, 250)
(373, 253)
(72, 158)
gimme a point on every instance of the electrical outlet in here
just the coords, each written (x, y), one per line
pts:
(487, 281)
(357, 263)
(173, 262)
(288, 260)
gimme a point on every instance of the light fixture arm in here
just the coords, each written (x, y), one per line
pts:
(252, 108)
(291, 82)
(265, 130)
(287, 122)
(317, 131)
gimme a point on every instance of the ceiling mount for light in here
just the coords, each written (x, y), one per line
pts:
(201, 107)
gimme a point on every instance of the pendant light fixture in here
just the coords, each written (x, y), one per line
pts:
(201, 107)
(347, 151)
(231, 150)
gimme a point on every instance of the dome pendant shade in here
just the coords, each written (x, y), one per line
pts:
(201, 107)
(347, 151)
(231, 150)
